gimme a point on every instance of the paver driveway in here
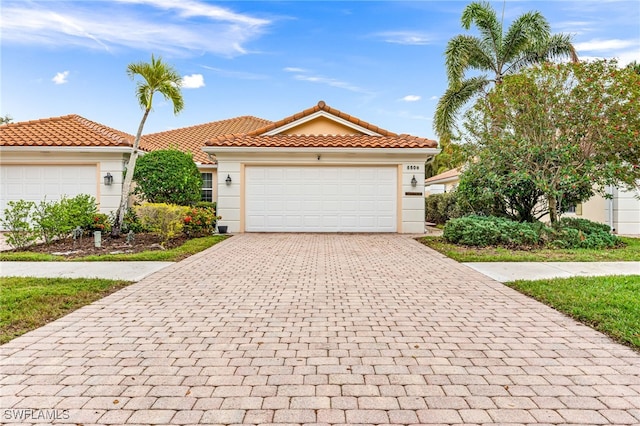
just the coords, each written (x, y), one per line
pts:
(334, 329)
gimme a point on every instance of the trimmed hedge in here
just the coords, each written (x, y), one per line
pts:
(439, 208)
(483, 231)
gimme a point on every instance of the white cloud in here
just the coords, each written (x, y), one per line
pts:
(193, 81)
(411, 98)
(330, 82)
(61, 77)
(306, 75)
(405, 37)
(434, 98)
(194, 28)
(294, 69)
(598, 45)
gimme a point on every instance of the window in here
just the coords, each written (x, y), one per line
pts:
(207, 186)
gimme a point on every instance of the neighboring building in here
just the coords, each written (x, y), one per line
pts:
(443, 182)
(320, 170)
(621, 212)
(58, 156)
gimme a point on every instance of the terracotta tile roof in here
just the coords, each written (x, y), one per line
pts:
(321, 106)
(192, 139)
(449, 174)
(322, 141)
(256, 138)
(66, 131)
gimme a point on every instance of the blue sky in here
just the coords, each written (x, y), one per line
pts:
(380, 61)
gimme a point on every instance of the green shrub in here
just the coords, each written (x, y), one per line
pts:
(164, 220)
(132, 223)
(482, 231)
(582, 233)
(583, 225)
(200, 221)
(439, 208)
(56, 219)
(168, 176)
(101, 222)
(206, 205)
(17, 221)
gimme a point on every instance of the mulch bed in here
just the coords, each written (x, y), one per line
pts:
(85, 246)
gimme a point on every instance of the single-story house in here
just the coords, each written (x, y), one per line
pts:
(319, 170)
(621, 212)
(59, 156)
(443, 182)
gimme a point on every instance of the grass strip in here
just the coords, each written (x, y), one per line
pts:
(175, 254)
(28, 303)
(609, 304)
(630, 252)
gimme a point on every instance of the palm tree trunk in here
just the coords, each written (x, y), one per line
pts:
(128, 179)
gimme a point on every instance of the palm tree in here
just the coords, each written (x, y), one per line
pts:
(527, 41)
(160, 77)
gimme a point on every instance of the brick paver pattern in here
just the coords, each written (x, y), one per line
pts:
(326, 329)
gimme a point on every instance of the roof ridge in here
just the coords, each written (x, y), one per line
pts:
(321, 106)
(195, 126)
(106, 131)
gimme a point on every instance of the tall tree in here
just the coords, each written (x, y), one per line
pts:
(561, 131)
(527, 41)
(156, 77)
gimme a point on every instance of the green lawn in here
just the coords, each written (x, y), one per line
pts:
(190, 247)
(29, 303)
(631, 252)
(608, 304)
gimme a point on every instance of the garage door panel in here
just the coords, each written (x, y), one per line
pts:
(50, 182)
(321, 199)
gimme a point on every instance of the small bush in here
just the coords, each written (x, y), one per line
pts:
(582, 233)
(168, 176)
(200, 221)
(206, 205)
(132, 223)
(101, 222)
(482, 231)
(164, 220)
(439, 208)
(17, 221)
(56, 219)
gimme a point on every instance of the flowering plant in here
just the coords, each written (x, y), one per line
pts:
(100, 222)
(200, 221)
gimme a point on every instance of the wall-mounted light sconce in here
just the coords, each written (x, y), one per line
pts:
(318, 157)
(108, 179)
(414, 182)
(228, 180)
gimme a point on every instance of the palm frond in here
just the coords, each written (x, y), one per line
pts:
(464, 52)
(485, 19)
(452, 101)
(157, 76)
(527, 28)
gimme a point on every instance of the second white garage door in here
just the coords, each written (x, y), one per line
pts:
(320, 199)
(50, 182)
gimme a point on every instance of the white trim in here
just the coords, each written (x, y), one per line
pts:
(104, 149)
(315, 115)
(443, 180)
(249, 149)
(201, 166)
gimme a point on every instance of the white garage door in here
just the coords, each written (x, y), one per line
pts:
(320, 199)
(33, 183)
